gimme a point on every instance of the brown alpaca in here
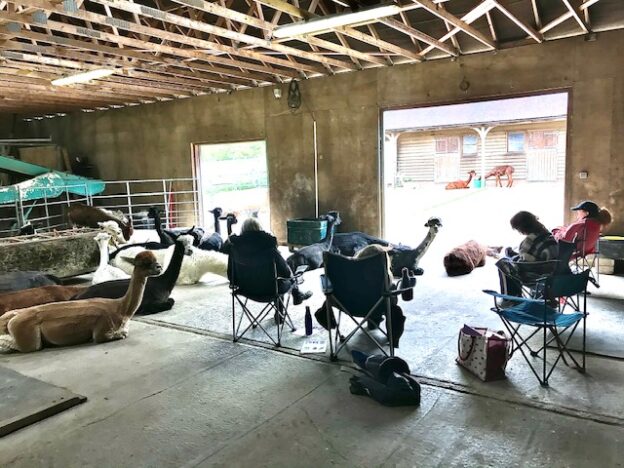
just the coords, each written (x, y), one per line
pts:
(465, 258)
(76, 322)
(500, 171)
(90, 216)
(461, 184)
(37, 296)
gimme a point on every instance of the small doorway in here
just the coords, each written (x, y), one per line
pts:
(234, 177)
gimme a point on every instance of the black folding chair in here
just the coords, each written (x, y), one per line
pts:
(255, 279)
(587, 257)
(361, 288)
(540, 314)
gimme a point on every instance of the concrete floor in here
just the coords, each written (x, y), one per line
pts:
(167, 397)
(177, 392)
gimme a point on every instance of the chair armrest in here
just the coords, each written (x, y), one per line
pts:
(326, 285)
(397, 292)
(301, 269)
(513, 298)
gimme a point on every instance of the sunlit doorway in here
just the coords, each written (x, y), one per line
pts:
(234, 177)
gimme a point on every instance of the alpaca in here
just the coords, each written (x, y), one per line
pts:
(163, 255)
(157, 290)
(201, 262)
(311, 256)
(402, 256)
(168, 236)
(106, 272)
(90, 216)
(464, 258)
(18, 280)
(461, 184)
(213, 241)
(36, 296)
(498, 172)
(76, 322)
(27, 230)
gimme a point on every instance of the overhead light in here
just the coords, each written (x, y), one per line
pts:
(327, 23)
(83, 77)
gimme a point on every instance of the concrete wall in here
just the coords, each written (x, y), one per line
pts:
(154, 140)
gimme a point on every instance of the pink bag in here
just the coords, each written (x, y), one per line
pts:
(483, 352)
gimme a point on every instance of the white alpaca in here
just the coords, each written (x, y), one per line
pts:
(106, 272)
(201, 262)
(163, 256)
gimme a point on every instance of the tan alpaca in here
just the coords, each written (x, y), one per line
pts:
(37, 296)
(76, 322)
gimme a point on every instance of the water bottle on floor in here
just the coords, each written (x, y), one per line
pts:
(308, 321)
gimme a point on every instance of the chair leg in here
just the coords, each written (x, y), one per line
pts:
(544, 381)
(389, 327)
(328, 311)
(233, 320)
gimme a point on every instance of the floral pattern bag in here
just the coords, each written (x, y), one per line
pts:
(483, 352)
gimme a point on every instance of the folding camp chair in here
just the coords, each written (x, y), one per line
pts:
(537, 313)
(255, 279)
(361, 289)
(587, 257)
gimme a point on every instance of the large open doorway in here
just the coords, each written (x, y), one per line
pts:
(426, 149)
(234, 177)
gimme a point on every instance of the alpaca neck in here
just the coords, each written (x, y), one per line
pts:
(229, 226)
(103, 253)
(131, 301)
(217, 224)
(170, 276)
(469, 178)
(424, 245)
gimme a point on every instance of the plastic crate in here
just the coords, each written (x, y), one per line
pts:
(306, 231)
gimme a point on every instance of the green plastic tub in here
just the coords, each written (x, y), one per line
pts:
(306, 231)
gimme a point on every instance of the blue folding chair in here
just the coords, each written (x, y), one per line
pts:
(567, 291)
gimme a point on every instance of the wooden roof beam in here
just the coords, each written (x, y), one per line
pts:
(536, 15)
(416, 34)
(521, 24)
(232, 35)
(166, 35)
(141, 45)
(64, 42)
(462, 24)
(576, 16)
(218, 10)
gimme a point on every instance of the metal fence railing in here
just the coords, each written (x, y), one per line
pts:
(177, 199)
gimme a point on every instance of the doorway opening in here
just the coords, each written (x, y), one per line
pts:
(234, 177)
(443, 161)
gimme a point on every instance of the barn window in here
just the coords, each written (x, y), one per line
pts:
(447, 145)
(469, 145)
(515, 142)
(540, 139)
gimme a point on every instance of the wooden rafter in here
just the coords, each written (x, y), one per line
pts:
(521, 24)
(576, 16)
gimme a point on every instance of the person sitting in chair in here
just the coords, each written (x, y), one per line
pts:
(585, 231)
(253, 240)
(539, 245)
(396, 313)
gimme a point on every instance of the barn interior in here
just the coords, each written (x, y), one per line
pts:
(334, 124)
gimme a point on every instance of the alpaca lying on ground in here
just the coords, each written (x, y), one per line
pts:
(157, 290)
(18, 280)
(163, 256)
(36, 296)
(214, 241)
(466, 257)
(90, 216)
(199, 263)
(76, 322)
(106, 272)
(402, 256)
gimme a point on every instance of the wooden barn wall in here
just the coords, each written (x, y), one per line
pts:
(416, 151)
(154, 140)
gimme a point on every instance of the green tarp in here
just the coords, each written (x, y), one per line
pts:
(50, 185)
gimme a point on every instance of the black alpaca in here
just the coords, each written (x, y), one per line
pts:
(215, 241)
(168, 236)
(18, 280)
(157, 289)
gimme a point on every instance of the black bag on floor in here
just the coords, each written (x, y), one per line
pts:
(386, 380)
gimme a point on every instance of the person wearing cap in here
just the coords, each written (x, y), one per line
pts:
(585, 231)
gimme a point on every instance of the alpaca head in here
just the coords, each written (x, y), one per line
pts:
(153, 212)
(217, 212)
(472, 173)
(145, 264)
(102, 239)
(187, 241)
(434, 224)
(127, 229)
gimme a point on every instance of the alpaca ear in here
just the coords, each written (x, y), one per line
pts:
(129, 260)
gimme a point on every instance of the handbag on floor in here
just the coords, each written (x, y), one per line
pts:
(483, 352)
